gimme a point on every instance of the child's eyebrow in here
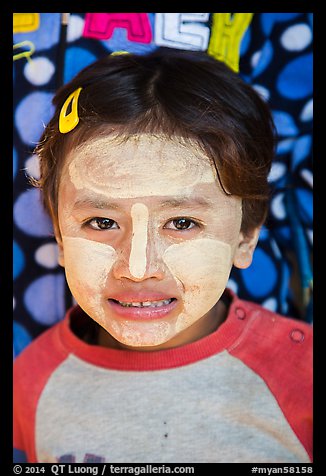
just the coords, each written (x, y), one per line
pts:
(95, 203)
(174, 202)
(186, 201)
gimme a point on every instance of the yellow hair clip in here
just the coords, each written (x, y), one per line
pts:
(68, 122)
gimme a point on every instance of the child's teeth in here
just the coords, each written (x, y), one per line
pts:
(146, 303)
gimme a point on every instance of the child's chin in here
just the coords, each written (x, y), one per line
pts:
(143, 334)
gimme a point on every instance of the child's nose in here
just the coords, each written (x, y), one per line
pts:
(139, 263)
(140, 259)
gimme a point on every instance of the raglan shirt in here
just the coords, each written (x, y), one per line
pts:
(241, 394)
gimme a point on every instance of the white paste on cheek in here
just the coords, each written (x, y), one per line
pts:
(137, 259)
(201, 269)
(87, 266)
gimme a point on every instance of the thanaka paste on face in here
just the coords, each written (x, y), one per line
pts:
(126, 159)
(138, 252)
(130, 333)
(148, 166)
(201, 269)
(87, 266)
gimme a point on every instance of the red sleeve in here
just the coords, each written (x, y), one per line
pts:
(280, 352)
(31, 371)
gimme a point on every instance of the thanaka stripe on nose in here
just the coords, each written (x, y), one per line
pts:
(138, 252)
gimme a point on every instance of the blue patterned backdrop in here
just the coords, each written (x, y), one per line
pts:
(274, 55)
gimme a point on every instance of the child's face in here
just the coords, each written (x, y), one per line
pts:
(145, 221)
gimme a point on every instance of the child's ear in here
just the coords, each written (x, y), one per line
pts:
(58, 238)
(246, 247)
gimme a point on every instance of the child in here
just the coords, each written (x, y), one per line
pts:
(154, 171)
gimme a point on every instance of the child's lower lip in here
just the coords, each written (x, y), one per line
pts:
(139, 313)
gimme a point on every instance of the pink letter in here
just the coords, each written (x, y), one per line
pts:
(101, 26)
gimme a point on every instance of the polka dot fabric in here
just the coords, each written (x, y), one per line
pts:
(275, 57)
(277, 62)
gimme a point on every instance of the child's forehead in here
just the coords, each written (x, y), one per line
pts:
(157, 146)
(137, 165)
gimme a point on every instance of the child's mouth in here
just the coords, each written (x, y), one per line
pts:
(139, 310)
(163, 302)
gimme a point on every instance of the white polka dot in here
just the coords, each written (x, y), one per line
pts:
(32, 166)
(277, 171)
(47, 255)
(270, 304)
(39, 71)
(255, 58)
(307, 112)
(277, 207)
(232, 285)
(308, 177)
(75, 28)
(263, 92)
(296, 37)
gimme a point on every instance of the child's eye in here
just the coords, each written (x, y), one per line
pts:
(99, 223)
(181, 224)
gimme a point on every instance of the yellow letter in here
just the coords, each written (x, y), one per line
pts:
(24, 22)
(226, 36)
